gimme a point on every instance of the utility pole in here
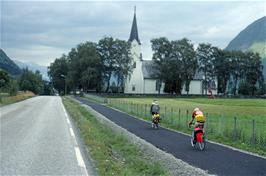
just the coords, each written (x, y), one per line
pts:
(65, 83)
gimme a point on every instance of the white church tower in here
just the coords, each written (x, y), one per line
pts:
(135, 82)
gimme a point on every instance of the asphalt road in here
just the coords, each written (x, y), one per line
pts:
(36, 139)
(216, 159)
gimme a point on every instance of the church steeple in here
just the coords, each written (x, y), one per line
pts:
(134, 29)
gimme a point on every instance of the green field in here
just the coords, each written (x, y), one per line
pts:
(244, 108)
(237, 122)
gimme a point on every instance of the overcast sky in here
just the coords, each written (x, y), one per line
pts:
(40, 31)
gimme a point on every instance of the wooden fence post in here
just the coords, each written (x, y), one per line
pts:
(171, 115)
(187, 116)
(165, 111)
(145, 110)
(207, 121)
(234, 132)
(179, 114)
(253, 140)
(137, 109)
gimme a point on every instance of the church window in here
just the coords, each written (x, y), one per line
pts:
(133, 88)
(134, 65)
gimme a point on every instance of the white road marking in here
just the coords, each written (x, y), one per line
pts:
(71, 132)
(79, 157)
(77, 151)
(80, 160)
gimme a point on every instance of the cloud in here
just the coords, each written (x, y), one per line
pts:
(41, 54)
(41, 31)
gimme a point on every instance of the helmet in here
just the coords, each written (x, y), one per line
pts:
(196, 109)
(155, 102)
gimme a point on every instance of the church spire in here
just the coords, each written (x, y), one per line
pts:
(134, 29)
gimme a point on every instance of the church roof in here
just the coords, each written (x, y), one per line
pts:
(134, 30)
(149, 71)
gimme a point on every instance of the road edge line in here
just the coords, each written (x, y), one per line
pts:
(79, 157)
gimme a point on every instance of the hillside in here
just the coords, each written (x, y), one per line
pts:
(252, 38)
(34, 67)
(8, 65)
(252, 34)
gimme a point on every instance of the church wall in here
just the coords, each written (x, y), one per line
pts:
(150, 87)
(195, 87)
(136, 78)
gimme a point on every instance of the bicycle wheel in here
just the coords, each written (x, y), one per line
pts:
(202, 145)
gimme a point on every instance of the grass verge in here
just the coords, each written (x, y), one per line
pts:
(113, 154)
(5, 99)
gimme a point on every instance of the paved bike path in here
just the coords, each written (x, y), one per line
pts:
(216, 159)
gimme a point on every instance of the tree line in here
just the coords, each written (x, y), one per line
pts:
(91, 66)
(177, 62)
(26, 81)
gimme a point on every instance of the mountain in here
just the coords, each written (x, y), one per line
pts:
(252, 38)
(8, 65)
(34, 67)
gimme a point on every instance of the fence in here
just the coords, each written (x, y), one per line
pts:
(231, 129)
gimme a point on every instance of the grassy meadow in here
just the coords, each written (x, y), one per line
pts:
(237, 122)
(245, 108)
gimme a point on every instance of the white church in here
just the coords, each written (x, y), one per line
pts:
(142, 79)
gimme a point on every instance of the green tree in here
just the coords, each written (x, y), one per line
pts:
(106, 48)
(244, 88)
(237, 66)
(47, 88)
(222, 68)
(4, 79)
(13, 87)
(30, 81)
(206, 58)
(253, 70)
(57, 72)
(86, 67)
(73, 74)
(176, 63)
(187, 56)
(123, 60)
(245, 70)
(116, 60)
(164, 63)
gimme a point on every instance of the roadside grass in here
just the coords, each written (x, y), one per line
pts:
(229, 121)
(5, 99)
(113, 154)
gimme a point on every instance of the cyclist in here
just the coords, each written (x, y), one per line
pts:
(155, 109)
(200, 120)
